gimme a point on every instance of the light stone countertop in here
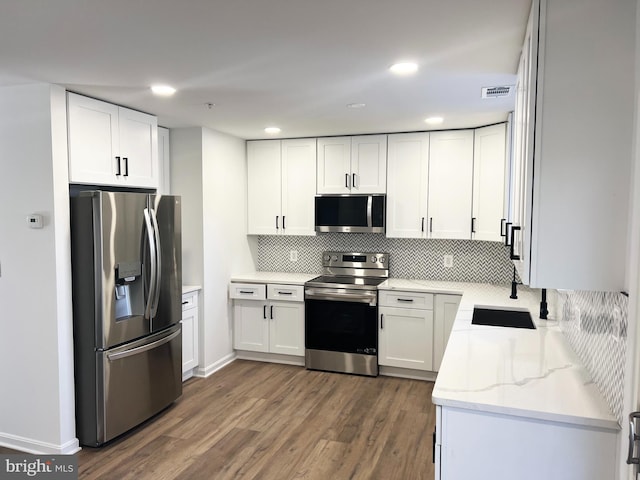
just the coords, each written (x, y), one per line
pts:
(190, 288)
(513, 371)
(274, 277)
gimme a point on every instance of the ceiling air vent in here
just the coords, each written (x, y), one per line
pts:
(496, 92)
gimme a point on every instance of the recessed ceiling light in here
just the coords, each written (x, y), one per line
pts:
(163, 90)
(356, 105)
(404, 68)
(272, 130)
(434, 120)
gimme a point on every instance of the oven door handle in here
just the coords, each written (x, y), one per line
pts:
(339, 295)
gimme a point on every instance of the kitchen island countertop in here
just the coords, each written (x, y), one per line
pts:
(512, 371)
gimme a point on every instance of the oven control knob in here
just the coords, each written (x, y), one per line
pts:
(374, 259)
(335, 258)
(327, 257)
(382, 259)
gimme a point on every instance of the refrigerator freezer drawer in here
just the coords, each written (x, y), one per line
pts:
(140, 379)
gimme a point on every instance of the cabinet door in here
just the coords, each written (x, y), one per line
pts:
(286, 328)
(298, 186)
(446, 309)
(489, 174)
(334, 165)
(138, 148)
(408, 166)
(450, 184)
(93, 140)
(263, 187)
(189, 339)
(250, 326)
(405, 338)
(369, 164)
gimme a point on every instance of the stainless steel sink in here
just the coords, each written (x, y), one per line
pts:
(502, 317)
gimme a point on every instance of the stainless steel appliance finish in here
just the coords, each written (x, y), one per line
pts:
(127, 283)
(350, 213)
(341, 331)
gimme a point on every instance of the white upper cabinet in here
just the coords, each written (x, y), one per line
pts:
(352, 164)
(489, 175)
(407, 183)
(450, 184)
(575, 146)
(281, 186)
(111, 145)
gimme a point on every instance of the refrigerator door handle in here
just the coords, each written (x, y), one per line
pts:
(142, 348)
(152, 255)
(158, 261)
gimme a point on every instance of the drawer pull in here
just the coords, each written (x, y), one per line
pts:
(185, 303)
(285, 293)
(247, 292)
(408, 300)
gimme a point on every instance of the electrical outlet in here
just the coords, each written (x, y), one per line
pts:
(448, 261)
(293, 255)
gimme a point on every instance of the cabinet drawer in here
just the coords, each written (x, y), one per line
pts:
(293, 293)
(249, 291)
(419, 300)
(189, 300)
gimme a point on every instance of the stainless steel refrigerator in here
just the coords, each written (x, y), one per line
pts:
(127, 292)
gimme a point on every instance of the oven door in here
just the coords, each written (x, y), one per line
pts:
(341, 335)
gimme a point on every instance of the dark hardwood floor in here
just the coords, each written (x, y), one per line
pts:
(264, 421)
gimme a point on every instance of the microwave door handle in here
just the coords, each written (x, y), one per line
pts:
(369, 209)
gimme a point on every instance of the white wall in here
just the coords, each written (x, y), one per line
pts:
(211, 166)
(36, 355)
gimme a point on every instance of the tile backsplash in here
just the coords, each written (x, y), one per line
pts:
(595, 324)
(473, 261)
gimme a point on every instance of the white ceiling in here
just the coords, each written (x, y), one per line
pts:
(291, 63)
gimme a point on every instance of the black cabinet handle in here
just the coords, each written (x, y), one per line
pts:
(184, 303)
(285, 293)
(118, 172)
(250, 292)
(506, 234)
(422, 228)
(126, 166)
(277, 218)
(408, 300)
(473, 224)
(512, 252)
(271, 312)
(382, 321)
(430, 224)
(264, 312)
(346, 180)
(434, 445)
(503, 232)
(283, 227)
(353, 181)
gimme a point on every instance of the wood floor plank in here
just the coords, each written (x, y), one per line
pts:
(261, 421)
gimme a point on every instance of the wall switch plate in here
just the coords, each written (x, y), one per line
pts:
(293, 255)
(448, 261)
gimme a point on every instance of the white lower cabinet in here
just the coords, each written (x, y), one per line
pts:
(476, 444)
(268, 318)
(446, 308)
(414, 328)
(189, 323)
(405, 330)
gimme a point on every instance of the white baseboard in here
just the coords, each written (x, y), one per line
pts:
(214, 367)
(29, 445)
(407, 373)
(270, 358)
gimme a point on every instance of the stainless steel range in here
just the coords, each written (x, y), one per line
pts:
(341, 313)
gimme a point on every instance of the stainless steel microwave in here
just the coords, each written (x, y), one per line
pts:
(350, 213)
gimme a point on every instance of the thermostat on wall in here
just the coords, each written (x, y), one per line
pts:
(34, 220)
